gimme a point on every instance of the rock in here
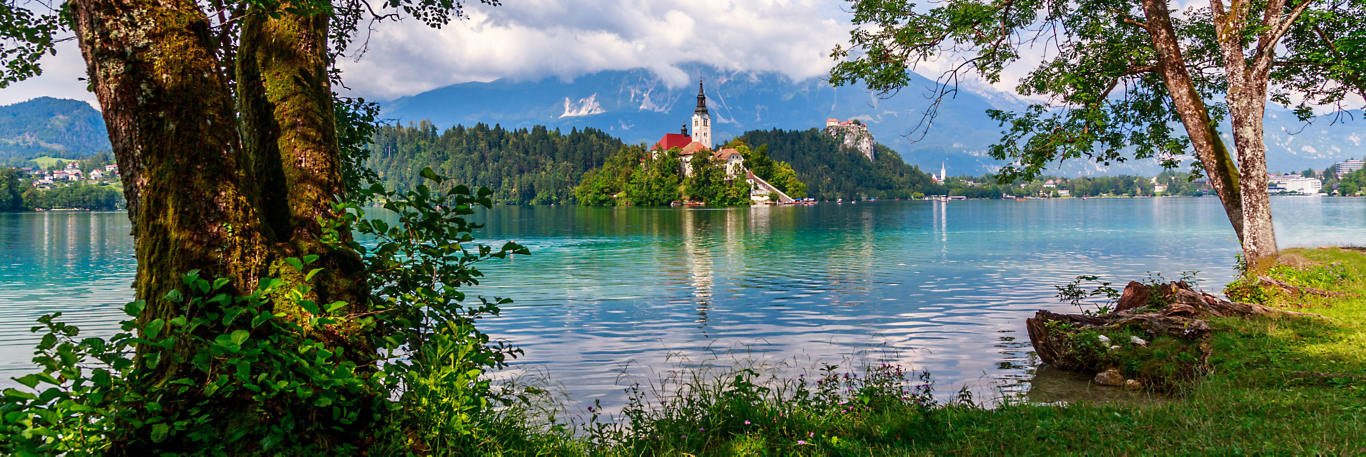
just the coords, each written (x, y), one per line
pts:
(1105, 340)
(1110, 377)
(1132, 384)
(1138, 341)
(1135, 296)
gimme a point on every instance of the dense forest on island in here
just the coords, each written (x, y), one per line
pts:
(523, 166)
(636, 177)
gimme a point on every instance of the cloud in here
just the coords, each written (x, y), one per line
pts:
(60, 79)
(535, 39)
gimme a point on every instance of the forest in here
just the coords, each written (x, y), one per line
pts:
(50, 126)
(523, 166)
(637, 177)
(831, 172)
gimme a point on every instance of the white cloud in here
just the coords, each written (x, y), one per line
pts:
(59, 79)
(533, 39)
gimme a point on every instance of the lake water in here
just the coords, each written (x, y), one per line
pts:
(607, 292)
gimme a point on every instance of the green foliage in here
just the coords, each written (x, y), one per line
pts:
(829, 171)
(236, 375)
(221, 350)
(1353, 183)
(604, 186)
(779, 174)
(28, 36)
(357, 122)
(656, 182)
(98, 197)
(711, 411)
(535, 166)
(11, 190)
(711, 184)
(1075, 294)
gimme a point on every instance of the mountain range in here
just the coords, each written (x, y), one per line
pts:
(639, 106)
(68, 129)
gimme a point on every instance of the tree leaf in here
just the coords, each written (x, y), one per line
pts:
(240, 336)
(153, 328)
(261, 319)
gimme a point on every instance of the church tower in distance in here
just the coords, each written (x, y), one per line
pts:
(701, 119)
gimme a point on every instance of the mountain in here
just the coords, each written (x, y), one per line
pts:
(639, 106)
(68, 129)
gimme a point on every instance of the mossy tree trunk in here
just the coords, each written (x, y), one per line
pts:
(171, 122)
(211, 191)
(289, 131)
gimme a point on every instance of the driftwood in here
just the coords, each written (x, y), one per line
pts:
(1172, 310)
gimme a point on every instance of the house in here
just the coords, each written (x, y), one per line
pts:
(111, 168)
(96, 175)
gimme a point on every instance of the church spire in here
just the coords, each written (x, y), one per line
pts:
(701, 99)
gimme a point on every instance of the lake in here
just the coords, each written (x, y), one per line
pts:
(613, 292)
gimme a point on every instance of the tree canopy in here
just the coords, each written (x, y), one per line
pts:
(1120, 74)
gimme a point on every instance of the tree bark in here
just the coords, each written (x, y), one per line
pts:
(170, 118)
(1171, 65)
(289, 127)
(1247, 95)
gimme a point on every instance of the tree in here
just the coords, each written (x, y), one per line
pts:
(1307, 173)
(11, 190)
(1119, 73)
(224, 126)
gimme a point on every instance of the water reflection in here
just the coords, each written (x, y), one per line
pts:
(638, 288)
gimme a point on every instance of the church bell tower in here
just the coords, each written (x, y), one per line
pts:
(701, 119)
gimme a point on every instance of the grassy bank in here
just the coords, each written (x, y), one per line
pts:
(1280, 385)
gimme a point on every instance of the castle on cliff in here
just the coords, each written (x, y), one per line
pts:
(852, 133)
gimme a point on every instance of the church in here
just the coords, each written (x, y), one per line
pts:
(699, 142)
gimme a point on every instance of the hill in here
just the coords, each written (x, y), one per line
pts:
(524, 166)
(832, 170)
(66, 129)
(639, 106)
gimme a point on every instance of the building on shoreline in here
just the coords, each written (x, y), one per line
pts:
(1293, 184)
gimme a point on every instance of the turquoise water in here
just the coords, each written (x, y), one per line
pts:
(631, 291)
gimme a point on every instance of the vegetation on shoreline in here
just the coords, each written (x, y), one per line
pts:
(1278, 385)
(522, 166)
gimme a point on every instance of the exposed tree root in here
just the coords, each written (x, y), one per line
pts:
(1293, 290)
(1174, 311)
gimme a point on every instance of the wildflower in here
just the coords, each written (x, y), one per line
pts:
(800, 442)
(701, 430)
(810, 434)
(590, 409)
(746, 422)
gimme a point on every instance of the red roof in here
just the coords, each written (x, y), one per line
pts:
(693, 147)
(673, 140)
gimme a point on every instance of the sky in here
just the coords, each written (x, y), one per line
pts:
(535, 39)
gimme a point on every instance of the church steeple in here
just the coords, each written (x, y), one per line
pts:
(701, 119)
(701, 99)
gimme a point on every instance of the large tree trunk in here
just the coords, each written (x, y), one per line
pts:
(1171, 65)
(170, 118)
(289, 129)
(192, 191)
(1247, 92)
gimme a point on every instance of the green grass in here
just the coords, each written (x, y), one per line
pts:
(46, 161)
(1278, 385)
